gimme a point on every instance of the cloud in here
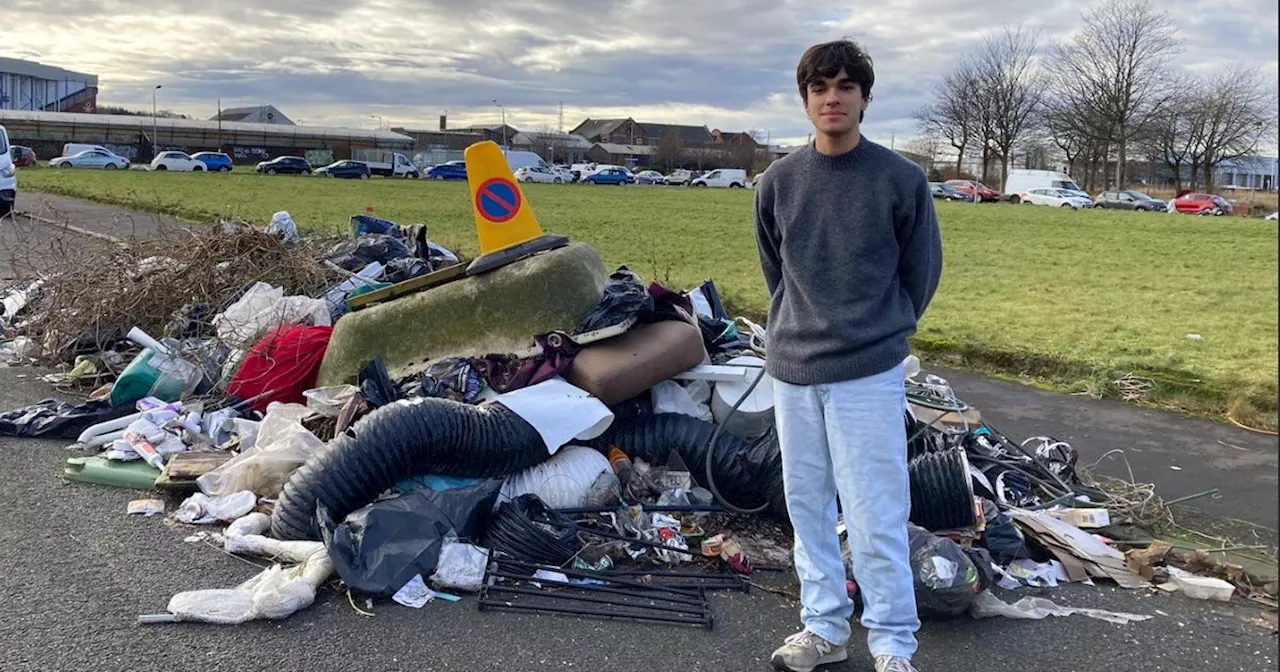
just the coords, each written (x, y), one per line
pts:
(727, 64)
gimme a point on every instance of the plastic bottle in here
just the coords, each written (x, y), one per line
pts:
(621, 465)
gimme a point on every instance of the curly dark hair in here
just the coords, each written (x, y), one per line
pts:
(826, 60)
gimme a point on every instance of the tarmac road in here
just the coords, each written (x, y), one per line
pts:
(77, 571)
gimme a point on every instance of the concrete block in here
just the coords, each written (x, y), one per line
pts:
(497, 312)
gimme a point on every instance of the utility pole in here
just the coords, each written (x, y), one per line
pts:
(219, 124)
(504, 123)
(154, 138)
(561, 127)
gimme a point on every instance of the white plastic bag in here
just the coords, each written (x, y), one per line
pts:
(281, 445)
(460, 567)
(201, 509)
(264, 308)
(282, 227)
(562, 481)
(328, 401)
(275, 593)
(672, 397)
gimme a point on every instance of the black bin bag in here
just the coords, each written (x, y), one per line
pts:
(379, 548)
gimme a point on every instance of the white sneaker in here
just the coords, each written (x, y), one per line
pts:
(894, 664)
(804, 651)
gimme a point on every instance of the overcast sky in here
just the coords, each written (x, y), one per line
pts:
(725, 63)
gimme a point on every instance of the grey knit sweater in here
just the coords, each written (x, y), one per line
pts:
(851, 254)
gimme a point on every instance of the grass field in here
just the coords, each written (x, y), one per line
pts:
(1092, 301)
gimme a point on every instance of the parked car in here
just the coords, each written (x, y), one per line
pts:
(1129, 200)
(214, 161)
(8, 176)
(730, 178)
(537, 174)
(678, 176)
(177, 161)
(449, 170)
(613, 175)
(648, 177)
(92, 158)
(974, 189)
(287, 165)
(564, 173)
(1196, 203)
(351, 170)
(72, 148)
(947, 192)
(1058, 198)
(22, 156)
(1273, 216)
(1022, 179)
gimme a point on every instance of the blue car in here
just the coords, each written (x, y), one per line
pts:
(450, 170)
(351, 170)
(214, 161)
(608, 176)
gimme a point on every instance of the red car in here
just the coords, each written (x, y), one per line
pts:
(22, 156)
(968, 187)
(1194, 203)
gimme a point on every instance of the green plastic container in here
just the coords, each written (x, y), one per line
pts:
(141, 379)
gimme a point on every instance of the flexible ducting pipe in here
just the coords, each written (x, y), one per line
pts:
(941, 492)
(403, 439)
(746, 473)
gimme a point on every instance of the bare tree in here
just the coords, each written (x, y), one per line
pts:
(928, 147)
(669, 152)
(1237, 116)
(1114, 70)
(1010, 91)
(953, 116)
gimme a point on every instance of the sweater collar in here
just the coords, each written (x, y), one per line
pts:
(839, 161)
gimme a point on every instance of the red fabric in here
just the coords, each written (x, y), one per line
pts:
(285, 362)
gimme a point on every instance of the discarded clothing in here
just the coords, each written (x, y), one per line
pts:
(505, 373)
(283, 365)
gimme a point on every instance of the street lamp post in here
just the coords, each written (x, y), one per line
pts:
(504, 122)
(379, 118)
(154, 137)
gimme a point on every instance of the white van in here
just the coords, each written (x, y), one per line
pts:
(1022, 180)
(730, 178)
(518, 160)
(8, 175)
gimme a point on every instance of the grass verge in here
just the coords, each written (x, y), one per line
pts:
(1163, 310)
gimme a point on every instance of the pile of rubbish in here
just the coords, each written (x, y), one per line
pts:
(592, 474)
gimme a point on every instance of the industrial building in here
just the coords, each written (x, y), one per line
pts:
(27, 85)
(135, 137)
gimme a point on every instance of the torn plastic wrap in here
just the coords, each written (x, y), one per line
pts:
(379, 547)
(946, 579)
(625, 297)
(358, 252)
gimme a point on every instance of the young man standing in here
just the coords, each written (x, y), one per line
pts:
(851, 252)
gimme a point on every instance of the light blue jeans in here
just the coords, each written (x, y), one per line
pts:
(849, 438)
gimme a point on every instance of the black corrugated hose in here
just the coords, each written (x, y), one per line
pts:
(511, 530)
(403, 439)
(941, 493)
(748, 474)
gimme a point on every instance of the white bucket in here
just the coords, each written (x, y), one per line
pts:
(755, 414)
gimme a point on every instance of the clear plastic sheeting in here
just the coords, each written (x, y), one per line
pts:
(460, 567)
(987, 605)
(280, 446)
(264, 308)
